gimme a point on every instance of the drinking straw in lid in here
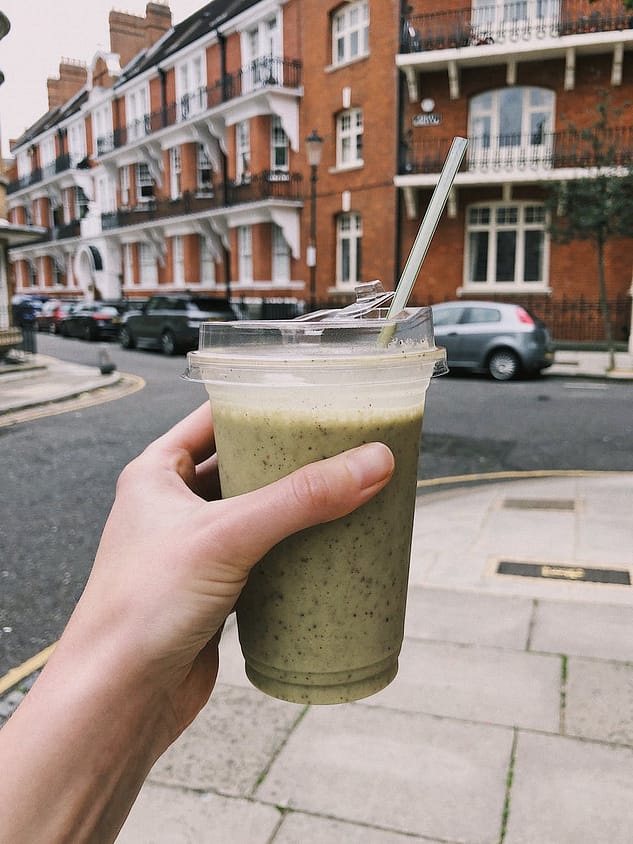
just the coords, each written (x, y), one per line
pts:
(428, 226)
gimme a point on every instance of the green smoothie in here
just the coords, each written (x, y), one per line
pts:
(321, 618)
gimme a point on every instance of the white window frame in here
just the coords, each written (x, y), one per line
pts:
(47, 155)
(128, 265)
(280, 251)
(23, 160)
(349, 137)
(204, 184)
(493, 225)
(242, 151)
(77, 142)
(191, 86)
(124, 185)
(278, 144)
(349, 236)
(207, 262)
(175, 171)
(80, 202)
(102, 128)
(262, 51)
(493, 144)
(350, 32)
(137, 112)
(143, 182)
(509, 18)
(245, 254)
(148, 271)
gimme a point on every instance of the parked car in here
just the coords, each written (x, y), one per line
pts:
(25, 310)
(93, 321)
(171, 322)
(504, 340)
(52, 313)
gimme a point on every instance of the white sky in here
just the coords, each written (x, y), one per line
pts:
(44, 31)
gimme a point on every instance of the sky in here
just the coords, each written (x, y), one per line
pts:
(44, 31)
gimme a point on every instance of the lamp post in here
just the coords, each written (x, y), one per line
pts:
(314, 146)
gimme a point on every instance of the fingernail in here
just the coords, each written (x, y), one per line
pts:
(369, 464)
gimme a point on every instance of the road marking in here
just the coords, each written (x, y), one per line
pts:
(21, 672)
(126, 385)
(586, 386)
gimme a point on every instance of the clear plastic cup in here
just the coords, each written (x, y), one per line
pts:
(321, 618)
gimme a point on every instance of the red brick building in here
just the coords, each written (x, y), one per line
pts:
(177, 158)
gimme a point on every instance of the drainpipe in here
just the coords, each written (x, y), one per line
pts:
(163, 96)
(225, 166)
(404, 7)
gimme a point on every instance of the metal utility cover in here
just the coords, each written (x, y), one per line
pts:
(567, 504)
(567, 573)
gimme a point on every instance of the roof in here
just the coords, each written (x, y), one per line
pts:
(196, 26)
(52, 118)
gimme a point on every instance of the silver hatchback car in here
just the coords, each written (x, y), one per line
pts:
(503, 340)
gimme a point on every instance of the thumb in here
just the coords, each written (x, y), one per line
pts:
(319, 492)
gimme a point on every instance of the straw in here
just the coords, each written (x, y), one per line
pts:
(428, 226)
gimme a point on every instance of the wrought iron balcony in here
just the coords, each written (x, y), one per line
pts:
(515, 152)
(509, 22)
(61, 164)
(266, 185)
(262, 73)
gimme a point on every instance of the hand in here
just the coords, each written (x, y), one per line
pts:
(171, 563)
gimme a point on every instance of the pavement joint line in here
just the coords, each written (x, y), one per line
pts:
(505, 813)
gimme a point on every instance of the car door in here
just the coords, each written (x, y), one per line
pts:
(147, 325)
(446, 327)
(478, 326)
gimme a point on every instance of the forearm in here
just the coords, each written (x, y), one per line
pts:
(76, 752)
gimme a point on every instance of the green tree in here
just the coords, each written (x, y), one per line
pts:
(599, 206)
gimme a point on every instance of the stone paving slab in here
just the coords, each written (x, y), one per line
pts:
(581, 629)
(477, 684)
(230, 744)
(400, 771)
(566, 791)
(599, 701)
(174, 816)
(297, 828)
(466, 617)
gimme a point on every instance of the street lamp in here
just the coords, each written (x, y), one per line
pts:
(314, 147)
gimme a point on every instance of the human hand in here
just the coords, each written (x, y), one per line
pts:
(173, 559)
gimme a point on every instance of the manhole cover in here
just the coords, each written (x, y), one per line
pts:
(578, 574)
(539, 504)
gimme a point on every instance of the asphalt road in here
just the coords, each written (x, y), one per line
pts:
(59, 472)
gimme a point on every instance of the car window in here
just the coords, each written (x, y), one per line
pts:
(156, 304)
(479, 315)
(446, 316)
(108, 311)
(178, 305)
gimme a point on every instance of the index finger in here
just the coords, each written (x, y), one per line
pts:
(194, 434)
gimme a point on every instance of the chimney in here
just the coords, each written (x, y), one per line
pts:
(73, 75)
(129, 34)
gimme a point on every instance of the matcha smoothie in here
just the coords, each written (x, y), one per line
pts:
(321, 617)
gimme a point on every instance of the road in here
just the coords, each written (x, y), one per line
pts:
(60, 472)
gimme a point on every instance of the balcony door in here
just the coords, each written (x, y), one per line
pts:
(513, 19)
(511, 128)
(262, 52)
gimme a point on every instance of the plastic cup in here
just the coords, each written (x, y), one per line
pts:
(321, 618)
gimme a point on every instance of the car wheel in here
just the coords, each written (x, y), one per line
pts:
(126, 338)
(504, 365)
(89, 333)
(168, 343)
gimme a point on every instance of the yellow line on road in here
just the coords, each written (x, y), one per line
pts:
(16, 675)
(515, 475)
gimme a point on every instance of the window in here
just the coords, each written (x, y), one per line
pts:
(81, 204)
(178, 257)
(262, 52)
(204, 181)
(281, 255)
(144, 183)
(77, 142)
(278, 146)
(124, 183)
(350, 32)
(174, 172)
(509, 19)
(128, 265)
(137, 112)
(207, 264)
(349, 138)
(506, 244)
(243, 151)
(511, 126)
(245, 253)
(349, 232)
(47, 156)
(191, 90)
(102, 128)
(147, 264)
(24, 165)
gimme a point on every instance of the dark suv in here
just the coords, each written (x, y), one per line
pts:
(171, 322)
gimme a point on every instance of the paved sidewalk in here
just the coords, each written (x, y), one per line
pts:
(510, 719)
